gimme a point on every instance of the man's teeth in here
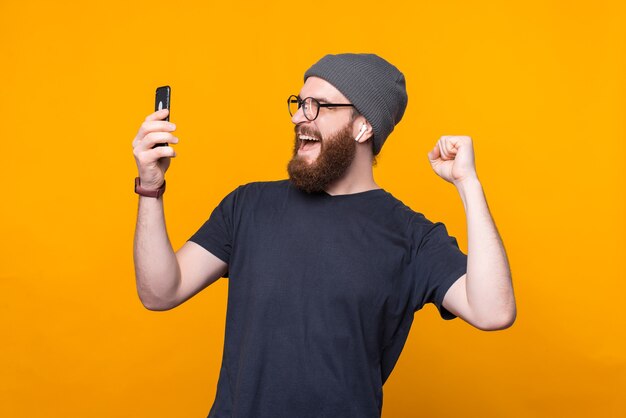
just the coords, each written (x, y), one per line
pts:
(307, 138)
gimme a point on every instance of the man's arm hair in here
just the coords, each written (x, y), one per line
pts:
(166, 279)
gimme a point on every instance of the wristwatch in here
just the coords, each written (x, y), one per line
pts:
(148, 193)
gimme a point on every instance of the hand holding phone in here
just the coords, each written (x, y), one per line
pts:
(154, 160)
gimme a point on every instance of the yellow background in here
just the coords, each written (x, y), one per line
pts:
(539, 85)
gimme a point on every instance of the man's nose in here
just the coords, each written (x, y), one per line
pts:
(298, 117)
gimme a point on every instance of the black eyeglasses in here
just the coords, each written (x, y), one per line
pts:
(311, 106)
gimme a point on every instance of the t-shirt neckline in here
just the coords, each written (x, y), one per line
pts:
(353, 195)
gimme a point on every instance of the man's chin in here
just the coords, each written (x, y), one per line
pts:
(307, 159)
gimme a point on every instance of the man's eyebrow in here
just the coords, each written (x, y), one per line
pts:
(323, 100)
(319, 99)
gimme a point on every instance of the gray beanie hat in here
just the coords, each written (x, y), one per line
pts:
(375, 87)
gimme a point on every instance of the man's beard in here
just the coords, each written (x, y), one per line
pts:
(335, 156)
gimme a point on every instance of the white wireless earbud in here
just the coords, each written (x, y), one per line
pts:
(361, 132)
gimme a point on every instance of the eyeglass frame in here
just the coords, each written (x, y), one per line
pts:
(319, 105)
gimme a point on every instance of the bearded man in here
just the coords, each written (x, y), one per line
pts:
(326, 269)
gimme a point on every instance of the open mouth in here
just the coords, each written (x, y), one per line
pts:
(308, 143)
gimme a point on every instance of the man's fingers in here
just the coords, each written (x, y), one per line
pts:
(164, 152)
(155, 126)
(158, 115)
(154, 138)
(151, 156)
(456, 141)
(442, 150)
(450, 144)
(434, 153)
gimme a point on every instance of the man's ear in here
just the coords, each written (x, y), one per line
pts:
(363, 130)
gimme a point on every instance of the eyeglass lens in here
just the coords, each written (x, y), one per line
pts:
(310, 107)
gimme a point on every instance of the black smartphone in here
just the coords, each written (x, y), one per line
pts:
(162, 101)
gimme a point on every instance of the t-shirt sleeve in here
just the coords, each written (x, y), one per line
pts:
(439, 263)
(216, 234)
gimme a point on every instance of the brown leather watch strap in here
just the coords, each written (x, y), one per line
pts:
(148, 193)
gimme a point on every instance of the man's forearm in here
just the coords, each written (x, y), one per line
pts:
(156, 267)
(488, 283)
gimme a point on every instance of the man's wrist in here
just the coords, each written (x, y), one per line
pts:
(468, 182)
(156, 193)
(469, 188)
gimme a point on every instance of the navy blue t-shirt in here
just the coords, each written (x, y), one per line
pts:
(321, 296)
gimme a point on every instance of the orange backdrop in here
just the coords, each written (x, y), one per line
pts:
(539, 85)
